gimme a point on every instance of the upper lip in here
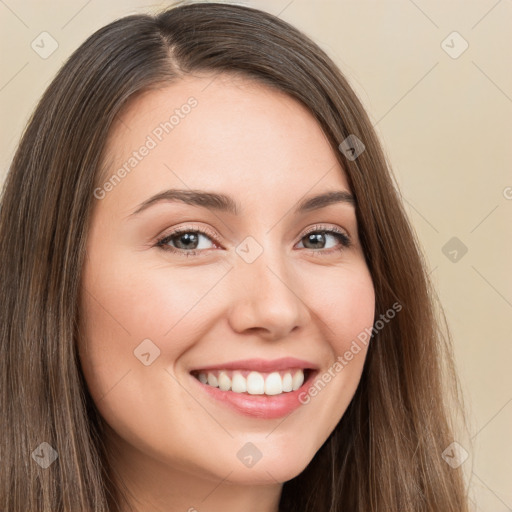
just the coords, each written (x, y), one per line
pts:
(261, 365)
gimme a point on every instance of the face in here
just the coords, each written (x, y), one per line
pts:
(253, 290)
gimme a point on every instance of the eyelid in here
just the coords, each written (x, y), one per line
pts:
(214, 238)
(343, 238)
(192, 227)
(186, 229)
(324, 227)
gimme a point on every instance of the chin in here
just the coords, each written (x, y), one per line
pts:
(270, 471)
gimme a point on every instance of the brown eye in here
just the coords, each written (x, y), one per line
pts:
(188, 242)
(322, 239)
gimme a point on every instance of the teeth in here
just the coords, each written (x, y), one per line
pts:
(298, 380)
(273, 384)
(224, 381)
(287, 382)
(238, 383)
(254, 383)
(212, 380)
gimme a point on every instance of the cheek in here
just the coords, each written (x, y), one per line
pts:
(128, 296)
(125, 302)
(345, 302)
(345, 305)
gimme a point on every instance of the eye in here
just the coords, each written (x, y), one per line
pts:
(185, 241)
(188, 241)
(317, 240)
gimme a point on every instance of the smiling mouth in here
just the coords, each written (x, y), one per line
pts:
(250, 382)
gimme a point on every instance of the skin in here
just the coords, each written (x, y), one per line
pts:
(175, 447)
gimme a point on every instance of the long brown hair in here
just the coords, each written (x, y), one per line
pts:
(385, 453)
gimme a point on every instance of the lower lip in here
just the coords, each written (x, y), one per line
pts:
(259, 406)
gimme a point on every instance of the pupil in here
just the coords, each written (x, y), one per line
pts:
(316, 238)
(188, 239)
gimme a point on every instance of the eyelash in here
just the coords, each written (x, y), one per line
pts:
(342, 237)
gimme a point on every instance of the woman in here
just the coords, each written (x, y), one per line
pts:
(292, 360)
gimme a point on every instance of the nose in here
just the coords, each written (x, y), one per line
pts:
(266, 300)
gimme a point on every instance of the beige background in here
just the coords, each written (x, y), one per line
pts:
(446, 126)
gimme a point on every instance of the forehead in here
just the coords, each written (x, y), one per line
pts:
(220, 133)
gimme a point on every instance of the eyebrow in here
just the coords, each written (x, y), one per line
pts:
(224, 203)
